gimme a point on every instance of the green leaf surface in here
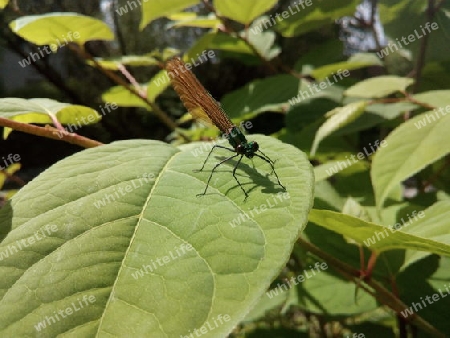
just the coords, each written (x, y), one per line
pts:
(404, 19)
(435, 223)
(243, 11)
(271, 93)
(124, 98)
(266, 304)
(321, 55)
(327, 197)
(436, 98)
(157, 85)
(341, 69)
(326, 170)
(305, 111)
(411, 147)
(344, 248)
(338, 118)
(196, 21)
(220, 41)
(325, 293)
(378, 87)
(343, 298)
(40, 110)
(122, 223)
(58, 29)
(3, 3)
(433, 239)
(309, 15)
(435, 276)
(262, 41)
(153, 9)
(128, 60)
(376, 114)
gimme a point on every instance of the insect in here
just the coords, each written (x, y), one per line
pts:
(200, 104)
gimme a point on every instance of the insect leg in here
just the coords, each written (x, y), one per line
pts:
(234, 175)
(215, 167)
(268, 160)
(210, 152)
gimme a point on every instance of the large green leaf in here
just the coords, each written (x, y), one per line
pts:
(122, 224)
(58, 29)
(243, 11)
(411, 147)
(40, 110)
(153, 9)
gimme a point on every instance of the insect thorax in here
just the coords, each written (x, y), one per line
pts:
(240, 144)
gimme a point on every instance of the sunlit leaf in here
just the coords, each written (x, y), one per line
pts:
(59, 29)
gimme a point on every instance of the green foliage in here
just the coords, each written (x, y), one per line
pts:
(375, 125)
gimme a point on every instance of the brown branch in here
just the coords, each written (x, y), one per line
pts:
(50, 132)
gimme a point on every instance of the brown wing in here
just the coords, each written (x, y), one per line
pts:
(195, 97)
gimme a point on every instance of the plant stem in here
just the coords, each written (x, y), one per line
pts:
(50, 132)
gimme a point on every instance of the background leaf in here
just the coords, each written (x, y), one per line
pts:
(124, 98)
(153, 9)
(411, 147)
(308, 16)
(261, 95)
(378, 87)
(365, 233)
(338, 118)
(243, 11)
(60, 29)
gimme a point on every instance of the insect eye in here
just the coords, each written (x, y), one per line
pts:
(255, 146)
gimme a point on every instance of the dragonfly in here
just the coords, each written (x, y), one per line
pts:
(201, 105)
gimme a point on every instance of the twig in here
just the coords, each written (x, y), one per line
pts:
(50, 132)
